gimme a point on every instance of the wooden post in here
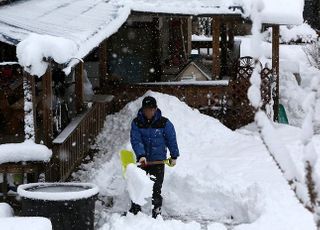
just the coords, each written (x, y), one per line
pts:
(231, 27)
(216, 47)
(103, 71)
(34, 106)
(79, 87)
(224, 49)
(47, 107)
(32, 87)
(275, 68)
(189, 38)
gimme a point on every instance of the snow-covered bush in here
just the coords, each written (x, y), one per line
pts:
(313, 53)
(294, 34)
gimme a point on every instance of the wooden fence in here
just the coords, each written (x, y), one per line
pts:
(197, 95)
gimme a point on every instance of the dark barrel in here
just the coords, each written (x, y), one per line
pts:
(69, 206)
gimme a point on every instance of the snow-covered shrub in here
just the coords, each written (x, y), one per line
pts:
(294, 34)
(313, 53)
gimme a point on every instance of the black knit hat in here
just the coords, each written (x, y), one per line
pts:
(149, 102)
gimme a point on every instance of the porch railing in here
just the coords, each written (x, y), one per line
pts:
(73, 144)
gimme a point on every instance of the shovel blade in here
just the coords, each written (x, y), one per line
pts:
(126, 157)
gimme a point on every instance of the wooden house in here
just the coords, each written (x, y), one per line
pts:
(126, 49)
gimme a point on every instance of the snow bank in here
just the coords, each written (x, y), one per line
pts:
(144, 222)
(221, 176)
(25, 223)
(139, 184)
(25, 151)
(36, 50)
(5, 210)
(58, 191)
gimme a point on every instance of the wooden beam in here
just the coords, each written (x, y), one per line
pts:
(275, 68)
(79, 86)
(103, 71)
(216, 68)
(189, 38)
(47, 107)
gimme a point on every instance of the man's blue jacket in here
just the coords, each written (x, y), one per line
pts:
(151, 139)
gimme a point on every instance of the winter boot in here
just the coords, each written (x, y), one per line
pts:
(135, 208)
(156, 212)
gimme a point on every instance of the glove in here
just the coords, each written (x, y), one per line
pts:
(173, 162)
(143, 160)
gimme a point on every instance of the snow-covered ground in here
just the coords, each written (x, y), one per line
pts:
(223, 179)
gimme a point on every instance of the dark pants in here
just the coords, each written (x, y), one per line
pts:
(157, 171)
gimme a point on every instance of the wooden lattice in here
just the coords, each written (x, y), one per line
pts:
(237, 109)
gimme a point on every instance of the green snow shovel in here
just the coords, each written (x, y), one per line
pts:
(128, 157)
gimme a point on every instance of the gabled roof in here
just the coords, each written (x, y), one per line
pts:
(199, 65)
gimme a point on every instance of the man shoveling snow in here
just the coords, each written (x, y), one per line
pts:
(151, 134)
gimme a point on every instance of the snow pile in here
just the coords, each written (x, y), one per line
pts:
(36, 50)
(5, 210)
(25, 151)
(139, 184)
(25, 223)
(221, 176)
(142, 221)
(300, 33)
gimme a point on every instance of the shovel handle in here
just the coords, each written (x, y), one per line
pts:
(167, 162)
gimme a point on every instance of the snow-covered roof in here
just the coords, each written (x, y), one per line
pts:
(273, 11)
(81, 25)
(190, 7)
(87, 23)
